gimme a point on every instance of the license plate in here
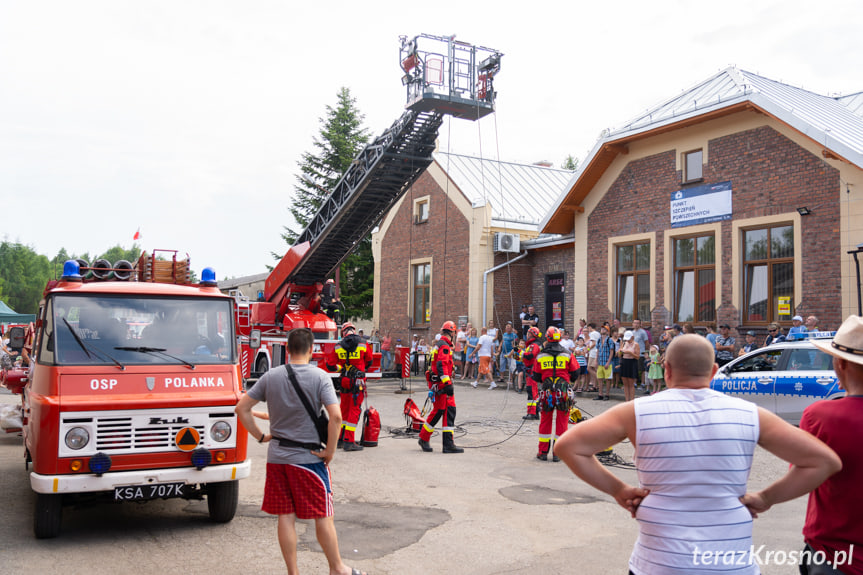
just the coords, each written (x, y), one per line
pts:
(151, 491)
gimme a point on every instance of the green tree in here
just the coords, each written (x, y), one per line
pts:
(570, 163)
(23, 274)
(340, 139)
(118, 253)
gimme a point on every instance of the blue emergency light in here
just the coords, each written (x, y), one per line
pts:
(100, 463)
(201, 458)
(208, 277)
(71, 271)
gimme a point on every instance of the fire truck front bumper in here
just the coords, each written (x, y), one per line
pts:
(89, 482)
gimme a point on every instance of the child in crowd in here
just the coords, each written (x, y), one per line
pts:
(519, 366)
(471, 367)
(656, 373)
(581, 357)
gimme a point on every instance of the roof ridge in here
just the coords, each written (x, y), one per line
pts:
(731, 72)
(508, 162)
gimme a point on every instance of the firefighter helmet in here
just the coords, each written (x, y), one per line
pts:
(552, 334)
(448, 326)
(348, 326)
(533, 332)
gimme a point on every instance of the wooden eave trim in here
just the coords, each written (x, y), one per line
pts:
(610, 151)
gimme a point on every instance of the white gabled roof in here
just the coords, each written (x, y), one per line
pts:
(519, 194)
(834, 122)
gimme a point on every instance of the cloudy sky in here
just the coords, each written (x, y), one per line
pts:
(186, 119)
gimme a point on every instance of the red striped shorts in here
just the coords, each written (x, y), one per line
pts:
(302, 489)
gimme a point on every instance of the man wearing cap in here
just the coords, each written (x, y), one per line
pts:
(774, 334)
(529, 320)
(724, 345)
(630, 356)
(642, 338)
(833, 514)
(797, 326)
(750, 343)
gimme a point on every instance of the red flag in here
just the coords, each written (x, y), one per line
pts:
(137, 235)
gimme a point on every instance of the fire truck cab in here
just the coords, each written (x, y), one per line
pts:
(132, 392)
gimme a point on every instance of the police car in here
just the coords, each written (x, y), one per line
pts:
(783, 377)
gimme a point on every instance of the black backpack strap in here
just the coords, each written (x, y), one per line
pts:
(290, 442)
(292, 376)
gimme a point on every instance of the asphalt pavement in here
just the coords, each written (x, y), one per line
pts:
(494, 509)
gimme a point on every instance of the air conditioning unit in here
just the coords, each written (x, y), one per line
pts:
(506, 243)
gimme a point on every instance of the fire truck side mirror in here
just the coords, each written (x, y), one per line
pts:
(255, 339)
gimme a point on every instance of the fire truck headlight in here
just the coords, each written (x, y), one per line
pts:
(77, 438)
(220, 431)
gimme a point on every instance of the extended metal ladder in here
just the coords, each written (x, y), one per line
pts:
(388, 167)
(375, 180)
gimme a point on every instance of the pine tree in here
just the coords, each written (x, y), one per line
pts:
(340, 139)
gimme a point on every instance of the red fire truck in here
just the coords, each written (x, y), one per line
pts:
(443, 76)
(131, 390)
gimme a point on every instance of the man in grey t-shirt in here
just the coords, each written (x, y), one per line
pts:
(298, 479)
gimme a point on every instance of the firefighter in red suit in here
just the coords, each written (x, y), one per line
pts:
(531, 350)
(439, 377)
(554, 368)
(351, 357)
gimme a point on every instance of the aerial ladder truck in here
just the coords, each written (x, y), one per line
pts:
(443, 76)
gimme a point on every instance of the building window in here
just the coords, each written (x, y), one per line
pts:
(768, 273)
(421, 280)
(421, 211)
(692, 164)
(633, 282)
(694, 279)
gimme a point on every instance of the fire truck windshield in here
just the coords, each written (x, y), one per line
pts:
(108, 330)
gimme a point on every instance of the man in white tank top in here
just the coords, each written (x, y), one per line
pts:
(693, 452)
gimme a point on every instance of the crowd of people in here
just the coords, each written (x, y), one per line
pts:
(553, 367)
(721, 434)
(611, 358)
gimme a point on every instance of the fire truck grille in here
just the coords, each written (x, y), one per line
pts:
(120, 435)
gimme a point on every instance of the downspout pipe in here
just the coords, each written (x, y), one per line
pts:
(485, 282)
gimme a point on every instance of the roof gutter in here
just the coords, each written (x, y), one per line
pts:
(485, 281)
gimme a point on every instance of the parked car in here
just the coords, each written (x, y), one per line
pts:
(783, 377)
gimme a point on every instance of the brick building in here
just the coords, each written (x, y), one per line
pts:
(462, 218)
(736, 202)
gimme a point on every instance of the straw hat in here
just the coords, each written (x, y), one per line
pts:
(848, 341)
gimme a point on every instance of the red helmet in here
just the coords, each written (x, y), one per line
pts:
(330, 281)
(552, 334)
(533, 332)
(448, 326)
(348, 326)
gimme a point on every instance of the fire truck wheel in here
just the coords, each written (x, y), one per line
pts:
(48, 512)
(261, 366)
(222, 500)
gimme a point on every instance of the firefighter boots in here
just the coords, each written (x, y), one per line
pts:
(353, 447)
(452, 449)
(425, 445)
(542, 456)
